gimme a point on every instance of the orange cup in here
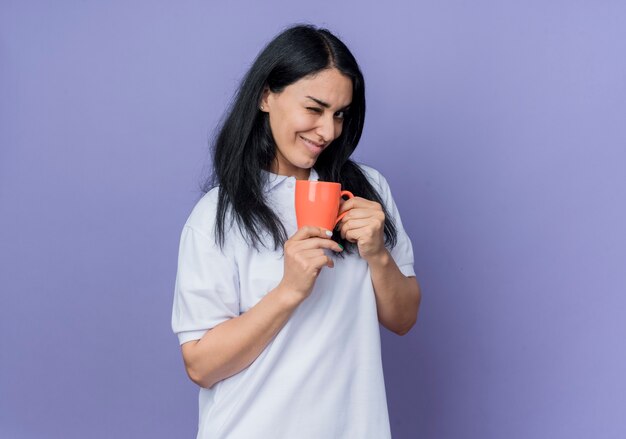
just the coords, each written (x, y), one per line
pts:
(317, 203)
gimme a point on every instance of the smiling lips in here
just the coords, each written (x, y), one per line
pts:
(316, 147)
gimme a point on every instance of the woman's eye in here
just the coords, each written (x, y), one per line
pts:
(339, 114)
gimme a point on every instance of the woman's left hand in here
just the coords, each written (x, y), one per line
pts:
(364, 224)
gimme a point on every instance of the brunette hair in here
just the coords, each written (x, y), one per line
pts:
(244, 145)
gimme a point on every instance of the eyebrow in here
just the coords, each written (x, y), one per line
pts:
(326, 104)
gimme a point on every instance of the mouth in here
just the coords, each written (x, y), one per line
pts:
(315, 147)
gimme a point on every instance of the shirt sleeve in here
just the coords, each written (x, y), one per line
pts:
(402, 253)
(207, 286)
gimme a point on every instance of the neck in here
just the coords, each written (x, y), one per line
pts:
(298, 173)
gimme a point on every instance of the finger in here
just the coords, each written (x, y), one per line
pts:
(310, 260)
(356, 202)
(310, 232)
(353, 235)
(321, 261)
(354, 224)
(317, 243)
(346, 205)
(311, 254)
(364, 212)
(314, 257)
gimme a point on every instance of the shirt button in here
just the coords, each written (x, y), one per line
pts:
(290, 184)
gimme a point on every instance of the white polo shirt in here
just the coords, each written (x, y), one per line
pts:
(321, 377)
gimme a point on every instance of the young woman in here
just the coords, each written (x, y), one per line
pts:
(279, 326)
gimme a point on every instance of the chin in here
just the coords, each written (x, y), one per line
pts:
(307, 164)
(304, 162)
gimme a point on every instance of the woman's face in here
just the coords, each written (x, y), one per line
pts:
(305, 118)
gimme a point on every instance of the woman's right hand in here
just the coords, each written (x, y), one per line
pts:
(305, 258)
(234, 344)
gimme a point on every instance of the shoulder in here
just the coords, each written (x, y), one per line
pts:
(202, 216)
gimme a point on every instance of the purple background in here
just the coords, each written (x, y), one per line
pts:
(501, 127)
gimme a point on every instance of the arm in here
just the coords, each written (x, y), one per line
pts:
(234, 344)
(397, 296)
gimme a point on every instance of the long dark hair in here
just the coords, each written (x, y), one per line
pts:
(244, 145)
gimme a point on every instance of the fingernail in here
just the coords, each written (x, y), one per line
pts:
(329, 233)
(340, 246)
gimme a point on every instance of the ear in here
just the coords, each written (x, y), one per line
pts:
(265, 99)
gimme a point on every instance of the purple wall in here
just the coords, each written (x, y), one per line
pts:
(500, 126)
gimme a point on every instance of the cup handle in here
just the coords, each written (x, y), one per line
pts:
(349, 195)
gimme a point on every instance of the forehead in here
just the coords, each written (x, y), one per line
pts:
(329, 85)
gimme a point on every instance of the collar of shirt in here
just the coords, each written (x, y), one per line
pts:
(274, 180)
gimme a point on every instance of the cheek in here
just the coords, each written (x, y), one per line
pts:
(338, 130)
(301, 123)
(280, 125)
(287, 125)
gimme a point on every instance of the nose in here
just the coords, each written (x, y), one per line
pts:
(326, 128)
